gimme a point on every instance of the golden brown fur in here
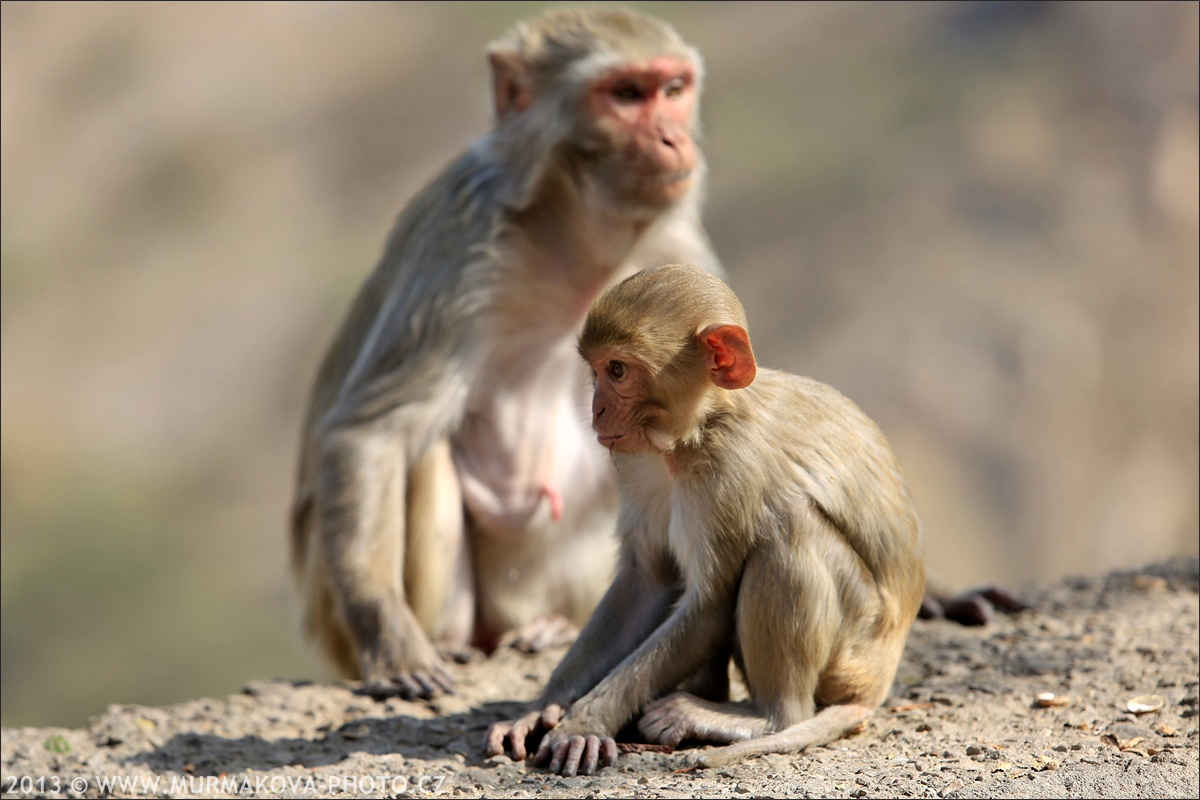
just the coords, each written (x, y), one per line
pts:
(763, 518)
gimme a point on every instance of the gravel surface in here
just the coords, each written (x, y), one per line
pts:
(963, 720)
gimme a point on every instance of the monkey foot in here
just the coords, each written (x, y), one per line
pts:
(541, 634)
(460, 654)
(416, 685)
(680, 716)
(974, 607)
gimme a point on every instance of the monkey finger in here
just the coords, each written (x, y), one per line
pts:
(591, 755)
(575, 750)
(442, 678)
(544, 753)
(512, 733)
(516, 745)
(551, 715)
(554, 752)
(608, 752)
(596, 752)
(520, 732)
(493, 740)
(415, 686)
(424, 685)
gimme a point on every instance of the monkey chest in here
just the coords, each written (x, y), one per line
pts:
(525, 456)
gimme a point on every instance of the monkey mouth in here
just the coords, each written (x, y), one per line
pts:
(658, 191)
(670, 178)
(608, 440)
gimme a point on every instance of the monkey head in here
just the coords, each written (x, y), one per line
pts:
(666, 346)
(610, 94)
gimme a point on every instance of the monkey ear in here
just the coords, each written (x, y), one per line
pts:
(730, 359)
(511, 90)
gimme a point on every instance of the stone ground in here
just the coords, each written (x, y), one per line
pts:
(963, 721)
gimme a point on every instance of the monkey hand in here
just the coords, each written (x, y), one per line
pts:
(572, 749)
(513, 734)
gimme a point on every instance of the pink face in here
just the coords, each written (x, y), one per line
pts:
(647, 107)
(622, 416)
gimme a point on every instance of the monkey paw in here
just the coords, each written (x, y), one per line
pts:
(414, 685)
(682, 716)
(515, 735)
(974, 607)
(460, 654)
(570, 754)
(543, 633)
(666, 721)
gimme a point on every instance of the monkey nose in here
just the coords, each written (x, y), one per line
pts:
(676, 151)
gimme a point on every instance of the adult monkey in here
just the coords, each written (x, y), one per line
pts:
(448, 487)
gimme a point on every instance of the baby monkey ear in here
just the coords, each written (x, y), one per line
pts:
(730, 359)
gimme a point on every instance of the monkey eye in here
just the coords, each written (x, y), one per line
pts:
(627, 92)
(674, 89)
(617, 369)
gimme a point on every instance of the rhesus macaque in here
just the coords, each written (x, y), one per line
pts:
(448, 488)
(763, 517)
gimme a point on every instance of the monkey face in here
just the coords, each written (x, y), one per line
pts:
(646, 112)
(624, 415)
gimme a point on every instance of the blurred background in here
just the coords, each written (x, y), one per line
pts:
(978, 220)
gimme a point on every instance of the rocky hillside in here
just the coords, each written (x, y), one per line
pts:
(964, 720)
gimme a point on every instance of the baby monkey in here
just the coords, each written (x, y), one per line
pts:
(763, 518)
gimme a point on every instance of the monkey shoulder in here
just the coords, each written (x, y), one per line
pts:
(790, 404)
(450, 222)
(812, 426)
(417, 318)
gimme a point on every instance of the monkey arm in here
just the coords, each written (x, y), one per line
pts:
(394, 382)
(360, 483)
(631, 609)
(676, 650)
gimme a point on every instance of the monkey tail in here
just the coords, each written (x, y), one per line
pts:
(828, 725)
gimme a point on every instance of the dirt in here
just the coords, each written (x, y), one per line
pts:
(963, 720)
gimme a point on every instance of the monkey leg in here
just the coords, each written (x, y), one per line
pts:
(813, 637)
(683, 715)
(360, 501)
(437, 564)
(769, 640)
